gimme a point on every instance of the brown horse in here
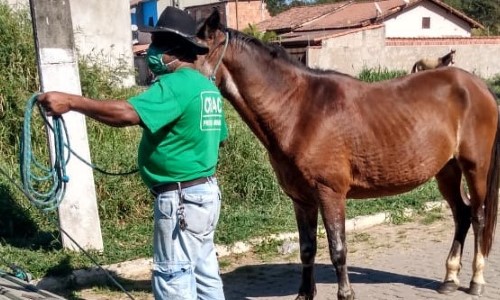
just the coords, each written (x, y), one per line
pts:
(428, 63)
(332, 137)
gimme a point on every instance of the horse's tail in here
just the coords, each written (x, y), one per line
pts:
(491, 201)
(414, 68)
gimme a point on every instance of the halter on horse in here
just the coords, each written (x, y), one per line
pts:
(429, 63)
(331, 137)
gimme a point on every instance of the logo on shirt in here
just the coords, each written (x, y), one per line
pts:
(211, 111)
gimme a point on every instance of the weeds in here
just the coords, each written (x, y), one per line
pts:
(379, 74)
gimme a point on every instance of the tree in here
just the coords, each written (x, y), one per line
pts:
(276, 6)
(263, 36)
(486, 12)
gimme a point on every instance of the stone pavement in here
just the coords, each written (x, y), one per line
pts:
(385, 262)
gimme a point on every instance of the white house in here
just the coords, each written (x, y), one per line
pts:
(351, 36)
(308, 25)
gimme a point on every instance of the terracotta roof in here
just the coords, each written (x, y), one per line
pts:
(356, 15)
(314, 38)
(347, 14)
(139, 49)
(297, 16)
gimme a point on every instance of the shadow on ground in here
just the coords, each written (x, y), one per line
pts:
(263, 280)
(283, 280)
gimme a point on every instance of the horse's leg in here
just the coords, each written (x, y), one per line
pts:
(483, 181)
(448, 180)
(477, 191)
(333, 212)
(307, 223)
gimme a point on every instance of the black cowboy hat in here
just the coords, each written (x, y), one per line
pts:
(178, 22)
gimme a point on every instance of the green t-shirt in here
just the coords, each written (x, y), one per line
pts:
(184, 123)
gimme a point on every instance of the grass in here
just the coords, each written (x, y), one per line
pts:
(253, 203)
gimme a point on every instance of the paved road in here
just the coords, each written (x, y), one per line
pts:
(385, 262)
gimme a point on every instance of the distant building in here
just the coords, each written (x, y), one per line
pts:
(351, 36)
(308, 25)
(234, 14)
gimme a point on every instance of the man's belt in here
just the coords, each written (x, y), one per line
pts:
(172, 186)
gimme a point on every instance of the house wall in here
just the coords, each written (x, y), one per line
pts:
(352, 53)
(409, 24)
(345, 53)
(241, 13)
(102, 30)
(186, 3)
(162, 4)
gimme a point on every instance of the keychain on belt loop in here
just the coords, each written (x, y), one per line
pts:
(180, 211)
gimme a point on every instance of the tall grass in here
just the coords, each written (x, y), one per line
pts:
(379, 74)
(494, 84)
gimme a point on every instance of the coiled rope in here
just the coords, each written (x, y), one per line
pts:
(47, 184)
(35, 175)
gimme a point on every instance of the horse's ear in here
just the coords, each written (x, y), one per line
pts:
(211, 24)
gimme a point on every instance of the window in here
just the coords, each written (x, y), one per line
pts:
(426, 22)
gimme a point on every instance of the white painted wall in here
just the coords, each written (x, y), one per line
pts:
(409, 24)
(352, 53)
(102, 30)
(186, 3)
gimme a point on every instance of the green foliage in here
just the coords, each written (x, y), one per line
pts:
(266, 37)
(18, 69)
(486, 12)
(276, 6)
(372, 75)
(494, 84)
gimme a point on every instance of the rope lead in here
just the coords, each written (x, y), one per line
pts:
(45, 184)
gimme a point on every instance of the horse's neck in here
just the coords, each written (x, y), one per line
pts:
(261, 93)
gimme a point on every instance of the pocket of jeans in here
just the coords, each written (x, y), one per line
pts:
(166, 206)
(199, 212)
(173, 276)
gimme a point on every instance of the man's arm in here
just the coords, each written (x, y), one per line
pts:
(117, 113)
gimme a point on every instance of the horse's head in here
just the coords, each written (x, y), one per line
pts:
(452, 54)
(213, 33)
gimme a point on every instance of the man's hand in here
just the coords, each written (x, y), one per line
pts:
(56, 103)
(117, 113)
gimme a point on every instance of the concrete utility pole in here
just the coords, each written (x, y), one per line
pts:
(58, 71)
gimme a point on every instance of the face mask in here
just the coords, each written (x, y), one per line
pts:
(155, 62)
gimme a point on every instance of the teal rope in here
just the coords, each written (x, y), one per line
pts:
(45, 184)
(48, 189)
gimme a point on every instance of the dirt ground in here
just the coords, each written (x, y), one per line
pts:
(267, 274)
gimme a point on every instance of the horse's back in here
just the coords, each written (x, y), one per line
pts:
(416, 123)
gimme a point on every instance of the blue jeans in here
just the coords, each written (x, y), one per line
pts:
(185, 263)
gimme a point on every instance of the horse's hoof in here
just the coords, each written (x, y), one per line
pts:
(476, 289)
(346, 296)
(447, 287)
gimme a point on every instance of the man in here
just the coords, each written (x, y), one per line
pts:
(183, 123)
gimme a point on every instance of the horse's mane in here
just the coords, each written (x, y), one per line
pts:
(275, 50)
